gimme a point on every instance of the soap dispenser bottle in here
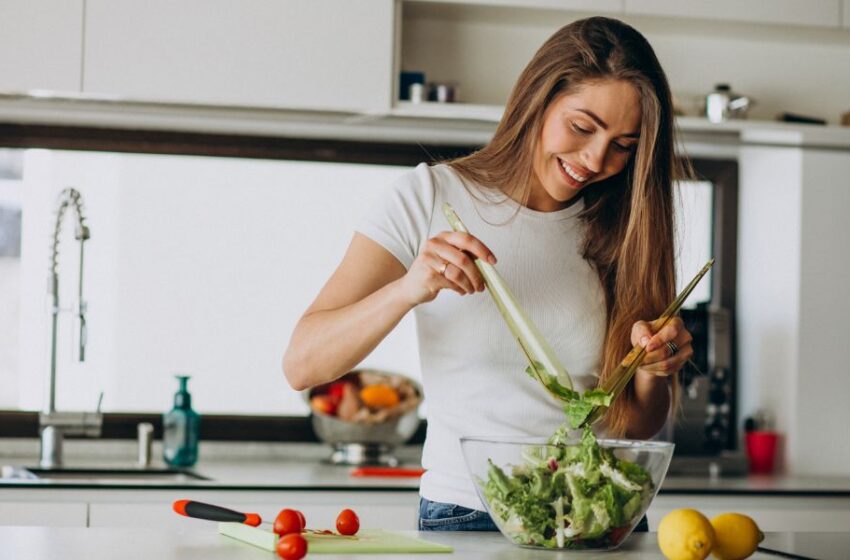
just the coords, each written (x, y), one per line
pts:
(181, 429)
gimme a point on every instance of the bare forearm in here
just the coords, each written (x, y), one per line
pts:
(327, 344)
(650, 406)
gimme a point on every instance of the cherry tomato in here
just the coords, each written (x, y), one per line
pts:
(347, 522)
(303, 520)
(291, 547)
(288, 521)
(336, 389)
(617, 534)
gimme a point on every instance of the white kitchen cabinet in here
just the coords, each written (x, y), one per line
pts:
(482, 47)
(46, 514)
(815, 13)
(386, 510)
(772, 513)
(322, 54)
(595, 6)
(41, 45)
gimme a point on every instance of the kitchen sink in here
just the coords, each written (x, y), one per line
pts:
(101, 475)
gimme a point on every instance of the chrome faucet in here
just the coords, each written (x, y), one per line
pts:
(54, 425)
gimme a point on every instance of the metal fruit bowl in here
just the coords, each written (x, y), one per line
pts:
(357, 443)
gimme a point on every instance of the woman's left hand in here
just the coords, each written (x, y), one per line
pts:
(666, 351)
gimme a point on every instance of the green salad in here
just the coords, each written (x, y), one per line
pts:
(569, 496)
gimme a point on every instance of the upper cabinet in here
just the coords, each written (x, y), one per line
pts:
(597, 6)
(346, 55)
(813, 13)
(480, 47)
(41, 45)
(321, 54)
(816, 13)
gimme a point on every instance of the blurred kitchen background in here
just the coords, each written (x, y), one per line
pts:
(226, 151)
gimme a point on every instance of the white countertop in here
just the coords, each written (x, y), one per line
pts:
(447, 123)
(42, 543)
(303, 467)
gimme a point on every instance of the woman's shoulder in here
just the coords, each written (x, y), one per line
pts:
(445, 173)
(430, 177)
(427, 184)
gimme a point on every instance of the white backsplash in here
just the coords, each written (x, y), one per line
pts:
(195, 265)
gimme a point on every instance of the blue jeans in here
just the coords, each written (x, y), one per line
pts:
(437, 516)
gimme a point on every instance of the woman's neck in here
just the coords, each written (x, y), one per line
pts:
(535, 197)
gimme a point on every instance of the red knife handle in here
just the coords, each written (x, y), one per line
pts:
(200, 510)
(387, 471)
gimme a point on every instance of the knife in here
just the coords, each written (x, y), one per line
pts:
(783, 554)
(200, 510)
(210, 512)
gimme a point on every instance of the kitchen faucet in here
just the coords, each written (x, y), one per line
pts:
(55, 425)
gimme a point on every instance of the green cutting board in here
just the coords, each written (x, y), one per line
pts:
(372, 541)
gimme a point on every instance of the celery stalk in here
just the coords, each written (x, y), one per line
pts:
(543, 364)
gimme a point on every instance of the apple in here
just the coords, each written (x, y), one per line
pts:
(324, 404)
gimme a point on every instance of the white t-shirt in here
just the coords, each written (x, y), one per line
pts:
(473, 371)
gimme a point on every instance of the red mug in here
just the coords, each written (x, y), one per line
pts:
(761, 451)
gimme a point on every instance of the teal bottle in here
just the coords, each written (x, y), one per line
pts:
(181, 428)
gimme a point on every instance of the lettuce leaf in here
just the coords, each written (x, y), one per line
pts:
(579, 408)
(568, 496)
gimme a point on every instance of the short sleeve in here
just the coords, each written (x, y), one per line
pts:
(401, 219)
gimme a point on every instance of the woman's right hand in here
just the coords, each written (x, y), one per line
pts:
(447, 261)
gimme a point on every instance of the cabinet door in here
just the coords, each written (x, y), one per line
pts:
(595, 6)
(321, 54)
(818, 13)
(772, 513)
(44, 514)
(41, 43)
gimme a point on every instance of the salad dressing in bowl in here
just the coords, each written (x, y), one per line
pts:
(584, 494)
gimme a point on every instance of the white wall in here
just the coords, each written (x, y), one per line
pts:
(823, 384)
(10, 283)
(203, 265)
(198, 265)
(785, 69)
(769, 243)
(793, 302)
(693, 236)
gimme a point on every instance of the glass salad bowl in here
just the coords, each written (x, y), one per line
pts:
(584, 494)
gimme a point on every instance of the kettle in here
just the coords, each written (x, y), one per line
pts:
(722, 104)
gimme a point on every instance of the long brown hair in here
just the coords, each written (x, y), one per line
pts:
(629, 216)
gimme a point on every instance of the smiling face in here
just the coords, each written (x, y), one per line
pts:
(588, 135)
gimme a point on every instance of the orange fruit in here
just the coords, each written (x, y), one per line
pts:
(379, 396)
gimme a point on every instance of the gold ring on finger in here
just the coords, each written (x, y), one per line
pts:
(672, 347)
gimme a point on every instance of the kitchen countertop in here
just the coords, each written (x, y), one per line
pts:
(302, 467)
(42, 543)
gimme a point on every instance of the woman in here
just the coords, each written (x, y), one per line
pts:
(574, 196)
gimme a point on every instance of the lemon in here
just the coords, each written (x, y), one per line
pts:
(737, 536)
(685, 534)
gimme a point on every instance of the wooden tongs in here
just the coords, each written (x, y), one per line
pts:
(623, 373)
